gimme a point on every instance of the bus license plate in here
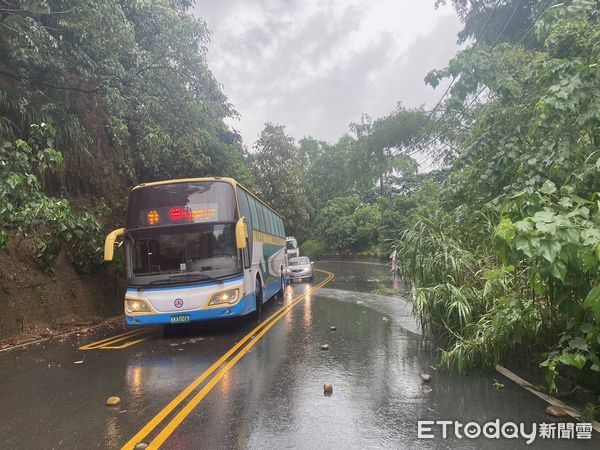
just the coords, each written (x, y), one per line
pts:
(181, 319)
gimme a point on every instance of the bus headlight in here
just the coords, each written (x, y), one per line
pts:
(229, 297)
(135, 306)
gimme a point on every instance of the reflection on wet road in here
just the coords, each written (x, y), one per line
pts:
(53, 396)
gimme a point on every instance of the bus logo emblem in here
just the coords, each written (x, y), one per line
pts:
(178, 303)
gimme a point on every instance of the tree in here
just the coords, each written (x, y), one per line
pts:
(275, 166)
(387, 138)
(125, 83)
(511, 258)
(329, 170)
(347, 223)
(500, 20)
(26, 212)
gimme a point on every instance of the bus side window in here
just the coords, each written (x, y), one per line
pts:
(273, 223)
(268, 216)
(254, 212)
(261, 217)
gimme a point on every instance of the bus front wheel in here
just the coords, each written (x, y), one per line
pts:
(280, 293)
(258, 295)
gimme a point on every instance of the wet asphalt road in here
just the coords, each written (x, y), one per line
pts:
(53, 395)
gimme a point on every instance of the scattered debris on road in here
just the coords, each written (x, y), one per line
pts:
(498, 385)
(556, 411)
(332, 328)
(327, 389)
(187, 341)
(324, 346)
(427, 390)
(140, 445)
(113, 401)
(425, 377)
(78, 362)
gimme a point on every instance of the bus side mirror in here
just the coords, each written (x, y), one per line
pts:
(241, 234)
(109, 243)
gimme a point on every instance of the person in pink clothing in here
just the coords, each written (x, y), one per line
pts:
(394, 259)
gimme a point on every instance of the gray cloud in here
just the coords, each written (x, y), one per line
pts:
(315, 66)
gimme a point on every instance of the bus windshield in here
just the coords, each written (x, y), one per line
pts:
(181, 232)
(206, 250)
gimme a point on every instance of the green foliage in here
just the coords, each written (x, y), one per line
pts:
(347, 223)
(26, 211)
(373, 153)
(398, 212)
(275, 166)
(511, 257)
(330, 171)
(510, 19)
(380, 144)
(590, 412)
(126, 84)
(127, 89)
(313, 248)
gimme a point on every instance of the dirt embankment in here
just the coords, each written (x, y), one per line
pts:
(36, 301)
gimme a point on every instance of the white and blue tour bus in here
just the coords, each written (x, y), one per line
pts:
(198, 249)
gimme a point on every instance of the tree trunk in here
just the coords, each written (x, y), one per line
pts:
(381, 176)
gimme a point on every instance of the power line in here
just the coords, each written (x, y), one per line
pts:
(477, 37)
(447, 91)
(507, 23)
(462, 113)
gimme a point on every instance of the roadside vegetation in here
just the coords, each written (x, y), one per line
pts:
(504, 254)
(95, 97)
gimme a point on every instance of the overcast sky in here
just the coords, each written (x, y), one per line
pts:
(317, 65)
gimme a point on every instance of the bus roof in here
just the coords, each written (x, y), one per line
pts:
(185, 180)
(191, 180)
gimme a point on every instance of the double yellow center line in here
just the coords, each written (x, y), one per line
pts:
(109, 343)
(225, 363)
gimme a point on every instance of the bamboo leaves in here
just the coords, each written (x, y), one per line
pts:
(592, 302)
(531, 165)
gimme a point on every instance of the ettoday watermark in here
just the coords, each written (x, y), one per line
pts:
(430, 429)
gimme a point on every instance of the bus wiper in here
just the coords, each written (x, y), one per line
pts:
(195, 273)
(187, 276)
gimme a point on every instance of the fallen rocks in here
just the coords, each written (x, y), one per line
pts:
(113, 401)
(140, 445)
(427, 390)
(324, 346)
(556, 411)
(327, 389)
(332, 328)
(425, 377)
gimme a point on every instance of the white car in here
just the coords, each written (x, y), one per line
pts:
(300, 269)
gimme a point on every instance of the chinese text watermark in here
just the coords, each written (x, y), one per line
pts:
(430, 429)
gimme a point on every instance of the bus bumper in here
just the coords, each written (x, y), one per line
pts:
(245, 306)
